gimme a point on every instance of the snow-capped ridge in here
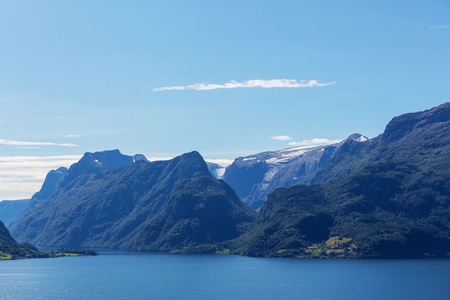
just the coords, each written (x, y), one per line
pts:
(139, 157)
(253, 177)
(357, 137)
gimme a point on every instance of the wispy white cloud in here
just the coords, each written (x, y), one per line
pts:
(72, 135)
(22, 176)
(29, 147)
(312, 142)
(281, 138)
(272, 83)
(33, 144)
(442, 27)
(32, 160)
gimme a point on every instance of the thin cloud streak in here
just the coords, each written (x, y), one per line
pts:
(22, 176)
(314, 141)
(39, 158)
(25, 144)
(281, 138)
(273, 83)
(442, 27)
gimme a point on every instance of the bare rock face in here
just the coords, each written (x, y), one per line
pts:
(254, 177)
(93, 162)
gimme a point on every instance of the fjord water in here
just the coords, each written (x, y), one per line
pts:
(126, 275)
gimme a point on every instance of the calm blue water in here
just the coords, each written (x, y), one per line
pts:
(124, 275)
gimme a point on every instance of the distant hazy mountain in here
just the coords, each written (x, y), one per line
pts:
(23, 208)
(49, 186)
(255, 176)
(111, 207)
(394, 204)
(9, 209)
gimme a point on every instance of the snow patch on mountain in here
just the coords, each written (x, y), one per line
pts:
(139, 157)
(358, 137)
(255, 176)
(216, 170)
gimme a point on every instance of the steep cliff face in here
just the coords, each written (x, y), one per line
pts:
(254, 177)
(51, 182)
(49, 186)
(407, 126)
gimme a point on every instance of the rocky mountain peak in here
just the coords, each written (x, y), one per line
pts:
(94, 162)
(139, 157)
(404, 124)
(357, 138)
(48, 187)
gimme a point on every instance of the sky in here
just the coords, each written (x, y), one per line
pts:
(225, 78)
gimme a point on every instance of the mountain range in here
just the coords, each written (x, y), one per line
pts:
(108, 200)
(388, 197)
(384, 197)
(254, 177)
(420, 137)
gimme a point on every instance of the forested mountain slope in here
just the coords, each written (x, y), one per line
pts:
(110, 207)
(395, 204)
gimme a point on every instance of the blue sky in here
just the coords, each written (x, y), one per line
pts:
(80, 76)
